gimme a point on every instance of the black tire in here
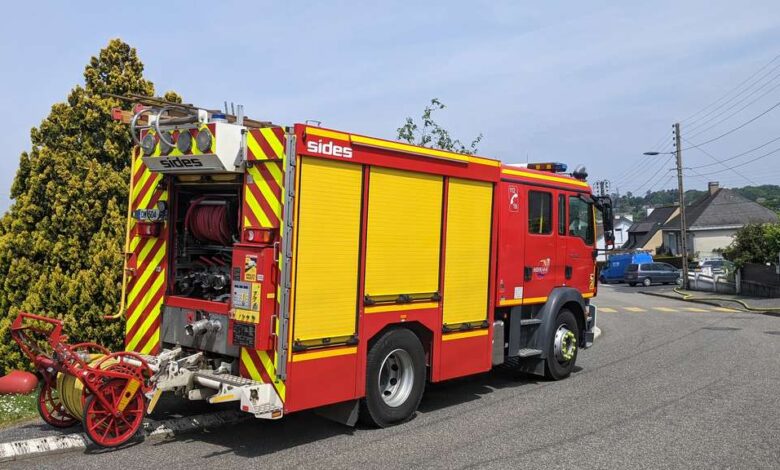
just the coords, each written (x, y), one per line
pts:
(556, 369)
(647, 282)
(632, 284)
(374, 407)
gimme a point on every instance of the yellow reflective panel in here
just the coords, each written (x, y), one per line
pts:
(327, 249)
(404, 233)
(467, 251)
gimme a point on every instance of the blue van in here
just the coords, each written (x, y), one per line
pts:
(616, 265)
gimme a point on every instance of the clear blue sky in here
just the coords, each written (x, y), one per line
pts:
(580, 82)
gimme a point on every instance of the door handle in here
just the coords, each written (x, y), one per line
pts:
(528, 272)
(568, 272)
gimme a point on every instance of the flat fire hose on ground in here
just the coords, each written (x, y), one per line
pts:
(691, 298)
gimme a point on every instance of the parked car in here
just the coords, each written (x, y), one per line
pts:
(649, 273)
(614, 269)
(714, 266)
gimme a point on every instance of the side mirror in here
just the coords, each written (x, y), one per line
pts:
(604, 205)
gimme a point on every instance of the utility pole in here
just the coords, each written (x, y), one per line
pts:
(681, 194)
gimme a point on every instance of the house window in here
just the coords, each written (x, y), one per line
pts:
(539, 213)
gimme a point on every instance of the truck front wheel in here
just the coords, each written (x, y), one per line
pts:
(562, 346)
(395, 379)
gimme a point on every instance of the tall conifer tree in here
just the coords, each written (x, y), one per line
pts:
(61, 240)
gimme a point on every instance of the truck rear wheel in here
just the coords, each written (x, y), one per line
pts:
(562, 346)
(395, 379)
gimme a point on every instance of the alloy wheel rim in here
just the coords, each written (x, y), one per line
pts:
(565, 344)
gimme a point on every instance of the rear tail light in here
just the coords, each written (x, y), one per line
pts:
(258, 235)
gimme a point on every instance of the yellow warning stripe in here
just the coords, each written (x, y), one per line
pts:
(262, 185)
(326, 133)
(400, 308)
(483, 161)
(153, 315)
(466, 334)
(526, 301)
(257, 211)
(150, 268)
(273, 141)
(588, 295)
(154, 340)
(148, 295)
(276, 173)
(307, 356)
(408, 148)
(268, 365)
(255, 148)
(249, 365)
(557, 179)
(138, 185)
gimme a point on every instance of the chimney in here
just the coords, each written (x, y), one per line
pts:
(713, 187)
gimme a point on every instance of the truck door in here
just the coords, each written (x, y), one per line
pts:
(540, 247)
(561, 218)
(580, 244)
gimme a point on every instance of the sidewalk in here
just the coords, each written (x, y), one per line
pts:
(756, 304)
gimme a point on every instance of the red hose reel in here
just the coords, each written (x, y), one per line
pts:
(208, 221)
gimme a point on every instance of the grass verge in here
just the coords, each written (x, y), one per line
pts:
(16, 408)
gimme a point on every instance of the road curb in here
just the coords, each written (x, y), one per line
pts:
(756, 310)
(677, 297)
(18, 450)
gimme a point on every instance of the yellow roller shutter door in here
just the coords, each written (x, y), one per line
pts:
(404, 233)
(467, 256)
(328, 247)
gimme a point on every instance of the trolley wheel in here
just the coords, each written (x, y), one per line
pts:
(52, 410)
(395, 379)
(102, 426)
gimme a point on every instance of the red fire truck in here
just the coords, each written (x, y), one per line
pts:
(294, 268)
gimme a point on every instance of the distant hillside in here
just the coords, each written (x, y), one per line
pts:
(767, 195)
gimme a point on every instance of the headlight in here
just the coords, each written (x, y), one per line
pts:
(165, 142)
(203, 141)
(147, 144)
(184, 143)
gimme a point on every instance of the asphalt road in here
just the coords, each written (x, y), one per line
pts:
(668, 385)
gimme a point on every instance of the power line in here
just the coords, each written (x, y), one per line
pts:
(704, 117)
(739, 154)
(732, 89)
(720, 162)
(734, 129)
(744, 163)
(654, 174)
(732, 114)
(664, 183)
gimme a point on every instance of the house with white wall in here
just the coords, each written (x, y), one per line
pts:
(622, 223)
(713, 220)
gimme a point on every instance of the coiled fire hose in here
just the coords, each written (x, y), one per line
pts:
(208, 222)
(690, 298)
(71, 389)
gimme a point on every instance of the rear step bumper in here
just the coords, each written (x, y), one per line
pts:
(172, 372)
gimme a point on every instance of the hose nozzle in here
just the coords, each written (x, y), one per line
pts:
(201, 327)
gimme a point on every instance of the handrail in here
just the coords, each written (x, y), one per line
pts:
(126, 248)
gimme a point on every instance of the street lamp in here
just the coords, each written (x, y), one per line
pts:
(681, 197)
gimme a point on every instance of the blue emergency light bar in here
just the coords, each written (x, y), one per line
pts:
(554, 167)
